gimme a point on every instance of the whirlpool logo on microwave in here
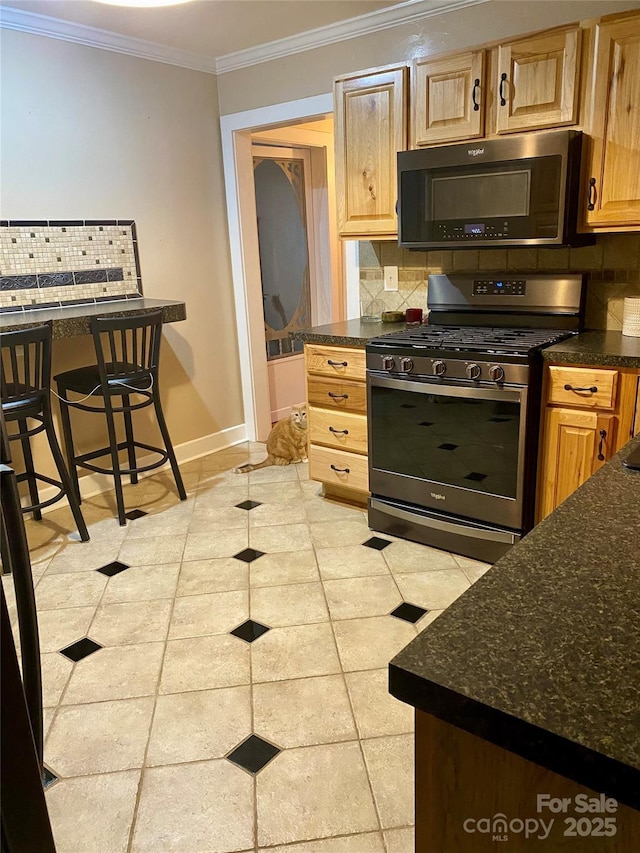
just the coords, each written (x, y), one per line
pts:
(473, 152)
(437, 497)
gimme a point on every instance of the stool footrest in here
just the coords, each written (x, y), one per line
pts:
(83, 461)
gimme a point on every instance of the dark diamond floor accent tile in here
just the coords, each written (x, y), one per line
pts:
(112, 569)
(408, 612)
(80, 649)
(248, 505)
(474, 475)
(248, 555)
(426, 423)
(250, 630)
(407, 406)
(48, 778)
(376, 543)
(447, 446)
(499, 420)
(253, 754)
(135, 513)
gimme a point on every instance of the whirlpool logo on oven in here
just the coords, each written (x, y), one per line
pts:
(437, 497)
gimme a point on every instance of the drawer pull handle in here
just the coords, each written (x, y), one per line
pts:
(476, 85)
(337, 363)
(503, 78)
(338, 396)
(339, 431)
(593, 389)
(603, 435)
(340, 470)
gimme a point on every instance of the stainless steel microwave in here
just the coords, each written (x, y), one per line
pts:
(520, 191)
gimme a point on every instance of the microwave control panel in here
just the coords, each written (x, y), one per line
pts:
(499, 287)
(470, 231)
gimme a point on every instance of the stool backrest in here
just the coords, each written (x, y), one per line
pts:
(127, 347)
(26, 362)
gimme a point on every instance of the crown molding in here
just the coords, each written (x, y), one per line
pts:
(56, 28)
(371, 22)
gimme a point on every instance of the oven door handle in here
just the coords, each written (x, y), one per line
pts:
(439, 389)
(446, 526)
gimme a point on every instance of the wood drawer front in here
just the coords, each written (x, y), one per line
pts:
(342, 430)
(336, 361)
(336, 394)
(605, 381)
(349, 470)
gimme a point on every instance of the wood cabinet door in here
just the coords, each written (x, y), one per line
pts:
(447, 98)
(370, 128)
(537, 82)
(574, 441)
(613, 191)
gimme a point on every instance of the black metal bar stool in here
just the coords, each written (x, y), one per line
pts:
(127, 353)
(26, 395)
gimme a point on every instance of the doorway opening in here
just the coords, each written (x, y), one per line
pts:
(273, 383)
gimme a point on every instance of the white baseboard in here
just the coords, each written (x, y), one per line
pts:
(95, 484)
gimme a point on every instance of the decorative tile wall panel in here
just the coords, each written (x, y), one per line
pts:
(54, 263)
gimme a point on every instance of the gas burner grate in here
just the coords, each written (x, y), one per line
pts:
(474, 338)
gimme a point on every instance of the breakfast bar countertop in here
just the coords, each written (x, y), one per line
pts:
(70, 321)
(542, 655)
(605, 349)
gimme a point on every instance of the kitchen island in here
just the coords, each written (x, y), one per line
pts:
(530, 683)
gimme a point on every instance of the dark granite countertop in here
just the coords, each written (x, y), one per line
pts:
(609, 349)
(347, 333)
(73, 320)
(542, 655)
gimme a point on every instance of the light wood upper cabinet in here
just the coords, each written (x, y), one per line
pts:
(447, 98)
(537, 83)
(370, 128)
(613, 180)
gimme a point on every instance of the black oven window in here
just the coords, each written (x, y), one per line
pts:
(457, 441)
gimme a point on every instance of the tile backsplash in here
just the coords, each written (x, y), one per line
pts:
(45, 264)
(612, 265)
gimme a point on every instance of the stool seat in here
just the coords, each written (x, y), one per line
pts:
(25, 394)
(85, 380)
(127, 353)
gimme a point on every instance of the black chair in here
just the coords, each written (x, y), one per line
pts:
(26, 395)
(128, 353)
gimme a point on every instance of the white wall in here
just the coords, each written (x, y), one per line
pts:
(92, 134)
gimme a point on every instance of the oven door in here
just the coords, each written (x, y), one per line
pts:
(453, 448)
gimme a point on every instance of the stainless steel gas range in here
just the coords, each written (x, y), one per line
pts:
(454, 410)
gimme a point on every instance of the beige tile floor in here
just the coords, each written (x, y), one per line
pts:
(139, 731)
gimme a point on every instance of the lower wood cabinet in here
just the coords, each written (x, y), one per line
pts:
(337, 418)
(590, 413)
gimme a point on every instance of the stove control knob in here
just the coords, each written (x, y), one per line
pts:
(406, 365)
(439, 368)
(388, 363)
(496, 373)
(474, 371)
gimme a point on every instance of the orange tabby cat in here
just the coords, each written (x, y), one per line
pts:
(287, 442)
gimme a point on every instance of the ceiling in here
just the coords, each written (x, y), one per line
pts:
(207, 27)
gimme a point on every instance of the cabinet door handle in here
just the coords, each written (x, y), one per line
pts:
(476, 85)
(338, 396)
(338, 431)
(593, 195)
(340, 470)
(593, 389)
(337, 363)
(503, 78)
(603, 435)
